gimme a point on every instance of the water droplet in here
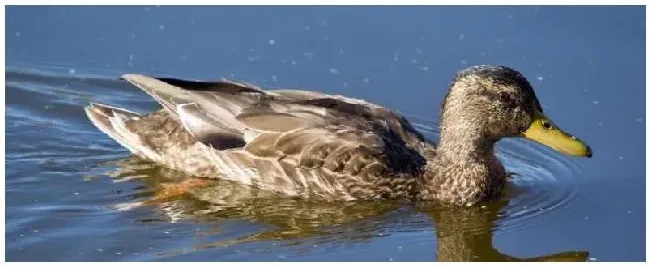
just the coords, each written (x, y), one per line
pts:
(461, 36)
(18, 34)
(620, 158)
(596, 102)
(274, 78)
(161, 26)
(463, 62)
(307, 28)
(425, 68)
(293, 62)
(366, 79)
(600, 124)
(271, 42)
(326, 38)
(540, 78)
(334, 71)
(629, 211)
(308, 55)
(71, 71)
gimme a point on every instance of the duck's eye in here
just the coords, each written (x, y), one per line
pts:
(546, 125)
(504, 97)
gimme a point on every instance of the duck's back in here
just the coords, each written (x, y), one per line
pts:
(299, 143)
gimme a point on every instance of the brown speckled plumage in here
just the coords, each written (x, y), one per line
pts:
(312, 145)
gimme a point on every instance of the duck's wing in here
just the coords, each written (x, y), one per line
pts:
(283, 132)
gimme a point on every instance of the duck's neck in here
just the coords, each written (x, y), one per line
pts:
(465, 169)
(465, 143)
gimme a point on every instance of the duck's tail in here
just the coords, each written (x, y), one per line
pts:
(112, 121)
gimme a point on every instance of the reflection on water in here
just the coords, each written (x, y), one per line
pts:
(463, 234)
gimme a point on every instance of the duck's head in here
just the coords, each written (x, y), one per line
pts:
(486, 103)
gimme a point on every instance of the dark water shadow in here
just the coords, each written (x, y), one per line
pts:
(463, 233)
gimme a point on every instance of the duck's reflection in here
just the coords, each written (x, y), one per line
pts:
(463, 233)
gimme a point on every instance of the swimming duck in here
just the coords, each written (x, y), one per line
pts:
(309, 144)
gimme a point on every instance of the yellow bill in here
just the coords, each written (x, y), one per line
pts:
(544, 131)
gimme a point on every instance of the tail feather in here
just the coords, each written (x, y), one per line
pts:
(112, 121)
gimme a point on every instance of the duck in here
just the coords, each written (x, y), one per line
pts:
(311, 145)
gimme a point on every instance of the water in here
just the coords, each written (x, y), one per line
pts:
(72, 193)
